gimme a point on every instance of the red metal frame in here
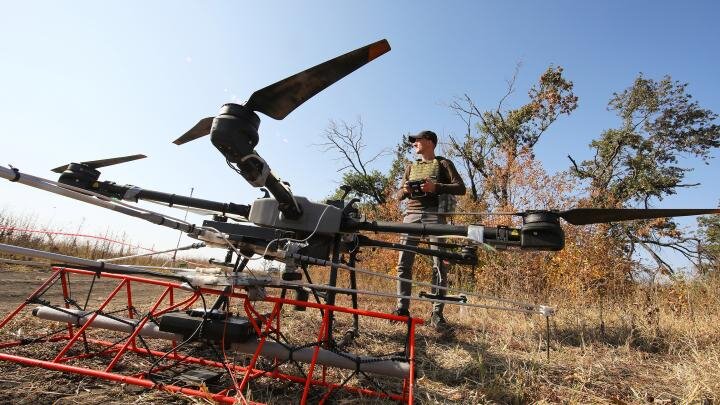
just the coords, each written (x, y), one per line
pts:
(167, 300)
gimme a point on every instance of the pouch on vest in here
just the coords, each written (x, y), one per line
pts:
(419, 172)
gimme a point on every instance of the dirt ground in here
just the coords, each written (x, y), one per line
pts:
(489, 357)
(32, 385)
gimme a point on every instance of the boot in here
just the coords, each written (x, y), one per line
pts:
(437, 321)
(400, 312)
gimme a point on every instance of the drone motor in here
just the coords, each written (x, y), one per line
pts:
(235, 131)
(541, 231)
(79, 175)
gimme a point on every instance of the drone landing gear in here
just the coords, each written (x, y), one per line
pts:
(349, 335)
(222, 301)
(120, 340)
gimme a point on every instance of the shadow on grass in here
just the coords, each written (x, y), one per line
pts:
(483, 376)
(615, 336)
(486, 377)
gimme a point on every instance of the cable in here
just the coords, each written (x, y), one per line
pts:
(177, 246)
(317, 226)
(225, 359)
(184, 342)
(322, 262)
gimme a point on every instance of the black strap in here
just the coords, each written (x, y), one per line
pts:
(17, 174)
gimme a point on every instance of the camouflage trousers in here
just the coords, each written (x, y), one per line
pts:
(407, 259)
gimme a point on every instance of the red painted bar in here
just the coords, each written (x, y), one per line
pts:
(251, 366)
(116, 377)
(90, 320)
(321, 337)
(137, 330)
(268, 325)
(24, 303)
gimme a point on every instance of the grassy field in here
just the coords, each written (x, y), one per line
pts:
(659, 345)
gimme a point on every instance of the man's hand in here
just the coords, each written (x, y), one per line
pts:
(429, 186)
(407, 189)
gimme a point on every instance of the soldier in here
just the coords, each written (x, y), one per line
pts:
(439, 179)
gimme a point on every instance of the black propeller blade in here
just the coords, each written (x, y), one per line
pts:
(587, 216)
(280, 99)
(200, 129)
(95, 164)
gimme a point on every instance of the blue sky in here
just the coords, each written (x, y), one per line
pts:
(90, 80)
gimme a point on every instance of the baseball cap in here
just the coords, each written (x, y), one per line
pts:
(424, 134)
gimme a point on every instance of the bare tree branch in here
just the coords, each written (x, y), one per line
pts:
(347, 141)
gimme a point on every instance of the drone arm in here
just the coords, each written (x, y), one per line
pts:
(86, 263)
(132, 193)
(412, 229)
(466, 257)
(532, 236)
(97, 199)
(491, 235)
(286, 201)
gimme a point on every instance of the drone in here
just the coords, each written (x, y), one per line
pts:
(280, 227)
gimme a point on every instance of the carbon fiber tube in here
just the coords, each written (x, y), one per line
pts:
(228, 208)
(491, 235)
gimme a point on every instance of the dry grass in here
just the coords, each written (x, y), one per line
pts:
(660, 345)
(27, 232)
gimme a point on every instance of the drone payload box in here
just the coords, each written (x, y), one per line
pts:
(216, 327)
(319, 218)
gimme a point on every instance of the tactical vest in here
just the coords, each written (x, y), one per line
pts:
(420, 170)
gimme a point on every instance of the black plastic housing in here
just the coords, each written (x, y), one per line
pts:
(541, 231)
(232, 329)
(79, 175)
(235, 131)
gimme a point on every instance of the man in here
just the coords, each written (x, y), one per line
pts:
(438, 176)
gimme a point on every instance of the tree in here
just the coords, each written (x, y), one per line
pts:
(503, 135)
(347, 141)
(637, 163)
(709, 247)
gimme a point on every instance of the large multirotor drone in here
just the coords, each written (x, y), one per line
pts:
(295, 231)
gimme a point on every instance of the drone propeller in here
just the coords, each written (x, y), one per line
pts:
(95, 164)
(280, 99)
(587, 216)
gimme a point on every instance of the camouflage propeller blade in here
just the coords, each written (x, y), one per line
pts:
(280, 99)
